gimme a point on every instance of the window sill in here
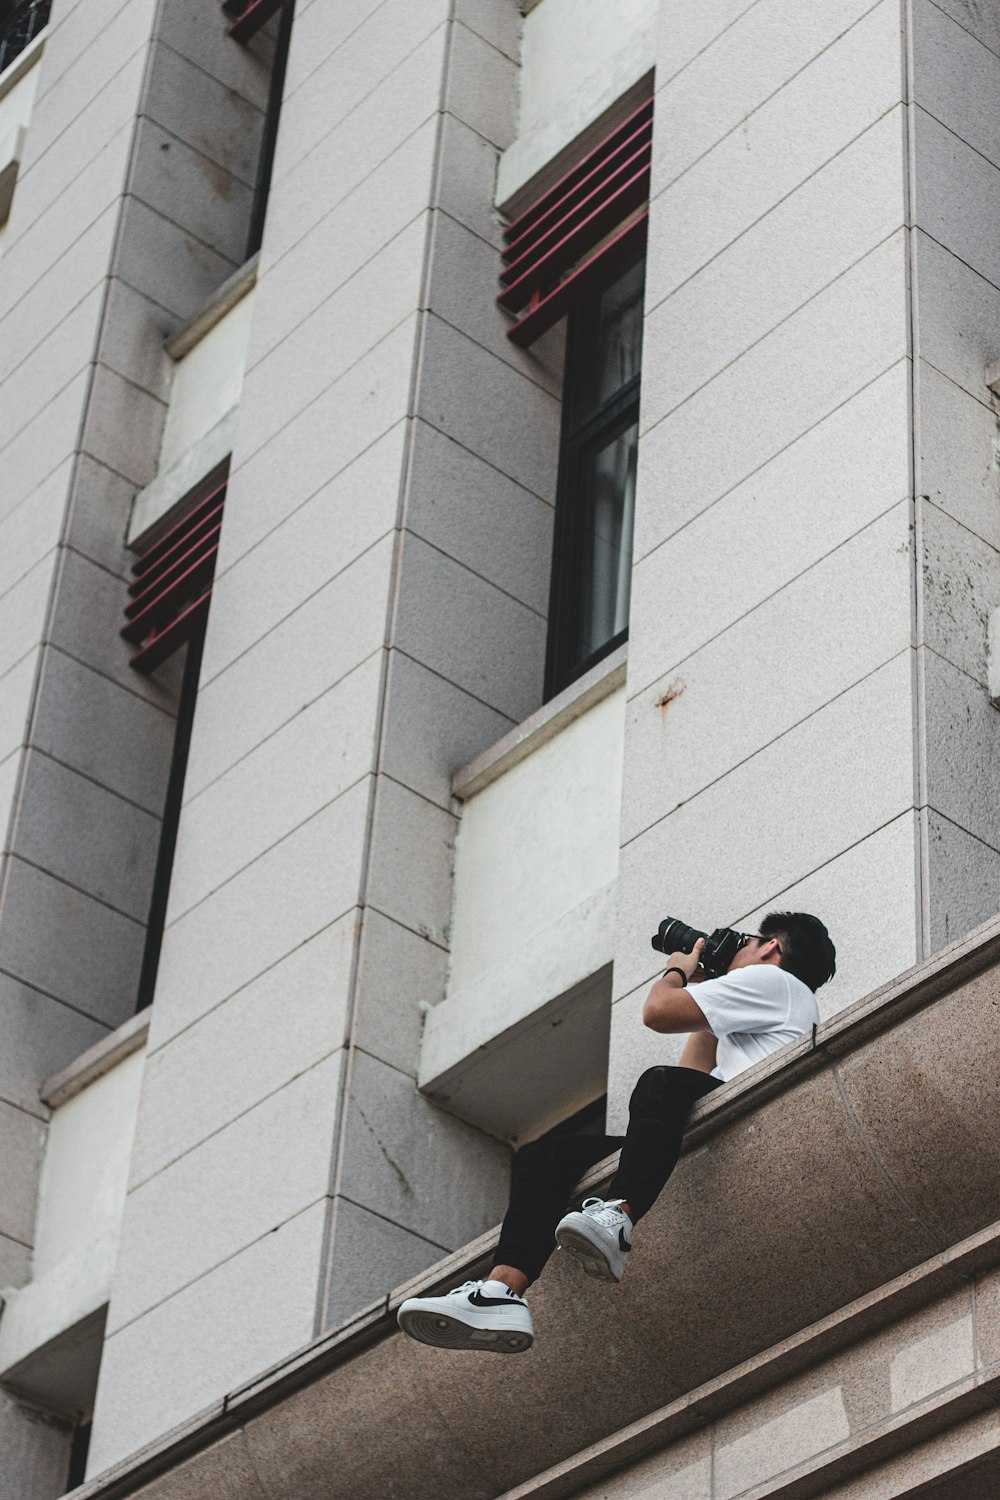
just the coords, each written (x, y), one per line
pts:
(222, 301)
(96, 1061)
(543, 725)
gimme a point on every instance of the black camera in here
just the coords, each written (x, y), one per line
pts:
(721, 946)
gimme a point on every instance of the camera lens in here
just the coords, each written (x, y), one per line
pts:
(675, 936)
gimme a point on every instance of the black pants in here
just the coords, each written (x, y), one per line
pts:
(546, 1171)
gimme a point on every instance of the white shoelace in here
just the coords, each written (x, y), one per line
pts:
(608, 1213)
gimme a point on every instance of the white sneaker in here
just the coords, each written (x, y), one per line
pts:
(600, 1237)
(476, 1315)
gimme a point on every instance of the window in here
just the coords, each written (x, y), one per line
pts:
(578, 250)
(20, 23)
(595, 502)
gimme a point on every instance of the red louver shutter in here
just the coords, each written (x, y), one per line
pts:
(250, 16)
(595, 218)
(173, 585)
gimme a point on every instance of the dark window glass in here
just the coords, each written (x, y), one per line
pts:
(595, 505)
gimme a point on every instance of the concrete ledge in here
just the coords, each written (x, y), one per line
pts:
(544, 724)
(96, 1061)
(222, 300)
(844, 1182)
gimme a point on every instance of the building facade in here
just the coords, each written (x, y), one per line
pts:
(477, 478)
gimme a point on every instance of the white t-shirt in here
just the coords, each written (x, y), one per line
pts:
(753, 1012)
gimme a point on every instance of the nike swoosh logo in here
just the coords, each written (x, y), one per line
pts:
(478, 1300)
(623, 1243)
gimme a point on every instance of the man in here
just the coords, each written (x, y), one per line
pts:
(764, 1000)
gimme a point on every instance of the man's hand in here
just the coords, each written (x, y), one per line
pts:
(689, 962)
(669, 1007)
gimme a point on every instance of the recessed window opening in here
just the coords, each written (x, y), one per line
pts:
(20, 23)
(595, 503)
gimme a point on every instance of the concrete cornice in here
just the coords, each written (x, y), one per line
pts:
(818, 1198)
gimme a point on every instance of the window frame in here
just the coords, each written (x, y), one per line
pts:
(579, 436)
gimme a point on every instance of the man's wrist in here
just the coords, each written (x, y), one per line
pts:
(676, 969)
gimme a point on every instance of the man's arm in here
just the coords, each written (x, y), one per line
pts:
(670, 1007)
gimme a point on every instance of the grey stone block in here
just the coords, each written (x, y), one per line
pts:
(199, 1345)
(328, 435)
(263, 914)
(495, 21)
(86, 618)
(263, 579)
(687, 28)
(804, 124)
(409, 1162)
(341, 330)
(29, 316)
(53, 363)
(33, 528)
(15, 1264)
(958, 196)
(86, 835)
(961, 586)
(398, 972)
(36, 243)
(954, 77)
(75, 948)
(841, 341)
(964, 878)
(22, 617)
(980, 20)
(468, 179)
(123, 426)
(433, 728)
(100, 504)
(731, 78)
(167, 264)
(958, 465)
(480, 402)
(355, 67)
(259, 1172)
(42, 1036)
(327, 637)
(462, 291)
(280, 1025)
(43, 444)
(959, 316)
(853, 466)
(36, 1450)
(692, 726)
(482, 86)
(112, 736)
(466, 508)
(309, 184)
(722, 860)
(368, 1256)
(963, 735)
(214, 119)
(16, 689)
(23, 1137)
(199, 196)
(70, 127)
(409, 869)
(465, 629)
(132, 337)
(245, 70)
(319, 31)
(838, 215)
(351, 231)
(289, 778)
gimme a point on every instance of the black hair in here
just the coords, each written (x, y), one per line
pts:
(806, 949)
